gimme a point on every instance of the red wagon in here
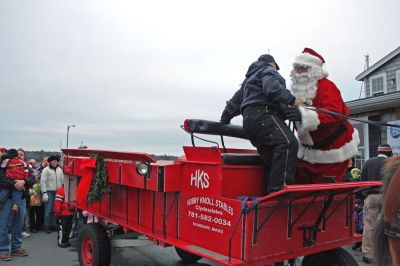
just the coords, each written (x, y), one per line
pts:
(209, 203)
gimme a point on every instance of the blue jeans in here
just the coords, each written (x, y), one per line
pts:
(49, 217)
(11, 222)
(4, 194)
(16, 195)
(78, 222)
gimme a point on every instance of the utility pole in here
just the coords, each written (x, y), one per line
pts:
(68, 132)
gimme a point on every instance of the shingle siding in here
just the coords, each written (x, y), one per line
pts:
(390, 69)
(386, 106)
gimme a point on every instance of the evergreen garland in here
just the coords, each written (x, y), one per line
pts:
(99, 183)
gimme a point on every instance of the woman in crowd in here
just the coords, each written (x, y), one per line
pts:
(22, 157)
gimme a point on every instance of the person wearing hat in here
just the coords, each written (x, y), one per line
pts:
(262, 99)
(326, 142)
(50, 180)
(373, 201)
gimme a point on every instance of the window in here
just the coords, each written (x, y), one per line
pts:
(378, 84)
(363, 149)
(398, 80)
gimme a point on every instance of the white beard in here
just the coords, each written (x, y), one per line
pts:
(305, 85)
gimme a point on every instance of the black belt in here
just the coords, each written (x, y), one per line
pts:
(330, 139)
(268, 109)
(372, 191)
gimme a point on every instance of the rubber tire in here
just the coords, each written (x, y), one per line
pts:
(334, 257)
(100, 241)
(187, 257)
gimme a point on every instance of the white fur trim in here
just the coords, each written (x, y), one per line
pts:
(308, 60)
(309, 119)
(331, 156)
(303, 135)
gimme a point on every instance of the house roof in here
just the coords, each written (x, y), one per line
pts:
(378, 64)
(374, 103)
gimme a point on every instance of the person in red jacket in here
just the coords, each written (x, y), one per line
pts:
(326, 142)
(64, 216)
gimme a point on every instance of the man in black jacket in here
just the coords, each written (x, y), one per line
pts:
(262, 100)
(373, 198)
(17, 220)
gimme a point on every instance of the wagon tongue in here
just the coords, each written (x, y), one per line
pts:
(201, 126)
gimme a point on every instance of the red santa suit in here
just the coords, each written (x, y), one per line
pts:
(326, 142)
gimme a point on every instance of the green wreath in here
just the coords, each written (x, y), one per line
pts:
(99, 183)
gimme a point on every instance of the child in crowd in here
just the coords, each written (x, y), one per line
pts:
(15, 169)
(64, 216)
(358, 220)
(355, 174)
(35, 211)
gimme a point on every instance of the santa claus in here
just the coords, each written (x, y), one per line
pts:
(326, 141)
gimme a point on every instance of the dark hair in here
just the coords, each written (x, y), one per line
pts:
(53, 158)
(353, 162)
(11, 154)
(387, 153)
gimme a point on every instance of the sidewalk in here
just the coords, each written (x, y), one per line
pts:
(43, 251)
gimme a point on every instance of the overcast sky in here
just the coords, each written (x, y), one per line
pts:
(127, 73)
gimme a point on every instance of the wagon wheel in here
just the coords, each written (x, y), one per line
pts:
(94, 247)
(334, 257)
(187, 257)
(291, 262)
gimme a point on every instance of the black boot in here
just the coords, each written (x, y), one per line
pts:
(64, 244)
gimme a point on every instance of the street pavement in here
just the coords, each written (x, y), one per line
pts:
(44, 252)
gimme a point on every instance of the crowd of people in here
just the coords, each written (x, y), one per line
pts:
(31, 199)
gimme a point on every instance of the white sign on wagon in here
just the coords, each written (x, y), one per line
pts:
(393, 137)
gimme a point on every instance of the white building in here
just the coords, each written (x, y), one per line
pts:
(381, 103)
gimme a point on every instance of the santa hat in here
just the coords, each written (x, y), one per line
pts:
(309, 57)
